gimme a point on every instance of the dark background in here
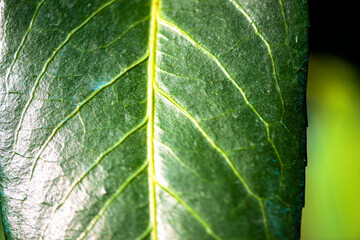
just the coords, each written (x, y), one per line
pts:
(335, 29)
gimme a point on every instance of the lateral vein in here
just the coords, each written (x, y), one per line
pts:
(285, 23)
(23, 40)
(120, 36)
(206, 226)
(216, 60)
(49, 60)
(111, 200)
(227, 74)
(263, 39)
(177, 158)
(207, 137)
(222, 153)
(99, 160)
(143, 235)
(77, 109)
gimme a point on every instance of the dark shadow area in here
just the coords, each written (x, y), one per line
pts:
(334, 29)
(1, 228)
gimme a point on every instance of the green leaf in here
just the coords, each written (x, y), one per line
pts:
(170, 119)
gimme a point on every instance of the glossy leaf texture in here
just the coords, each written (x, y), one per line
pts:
(169, 119)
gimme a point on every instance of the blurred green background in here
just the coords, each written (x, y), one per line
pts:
(332, 205)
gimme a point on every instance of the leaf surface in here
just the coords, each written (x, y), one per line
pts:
(152, 119)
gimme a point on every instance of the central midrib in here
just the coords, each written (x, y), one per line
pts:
(150, 112)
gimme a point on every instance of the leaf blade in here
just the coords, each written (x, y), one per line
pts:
(202, 94)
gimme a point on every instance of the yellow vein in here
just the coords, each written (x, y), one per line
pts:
(219, 150)
(144, 234)
(281, 200)
(207, 137)
(191, 211)
(285, 23)
(92, 166)
(111, 200)
(77, 109)
(261, 36)
(23, 40)
(121, 35)
(95, 164)
(180, 161)
(100, 158)
(150, 112)
(238, 43)
(179, 76)
(50, 60)
(84, 127)
(263, 213)
(216, 60)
